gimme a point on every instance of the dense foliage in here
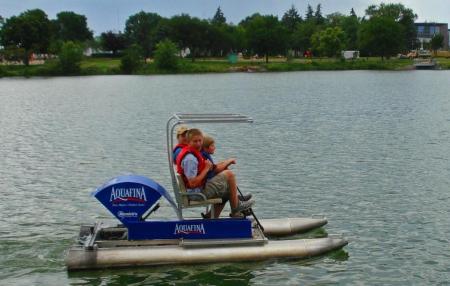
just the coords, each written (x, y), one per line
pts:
(70, 26)
(132, 59)
(70, 57)
(166, 55)
(380, 36)
(437, 42)
(29, 32)
(266, 36)
(329, 42)
(113, 42)
(384, 30)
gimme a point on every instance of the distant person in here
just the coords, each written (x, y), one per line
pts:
(182, 141)
(193, 168)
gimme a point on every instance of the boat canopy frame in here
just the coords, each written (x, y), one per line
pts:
(193, 118)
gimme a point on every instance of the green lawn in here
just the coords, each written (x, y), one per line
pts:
(100, 66)
(444, 63)
(109, 66)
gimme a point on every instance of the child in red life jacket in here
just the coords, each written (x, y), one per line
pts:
(193, 168)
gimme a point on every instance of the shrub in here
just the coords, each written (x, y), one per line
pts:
(12, 54)
(70, 58)
(55, 47)
(166, 55)
(132, 59)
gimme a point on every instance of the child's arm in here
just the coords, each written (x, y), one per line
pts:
(224, 165)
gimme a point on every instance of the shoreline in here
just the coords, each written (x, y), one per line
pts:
(111, 66)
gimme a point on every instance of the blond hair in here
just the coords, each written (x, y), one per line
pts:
(193, 132)
(207, 141)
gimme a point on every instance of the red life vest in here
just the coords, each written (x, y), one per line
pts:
(200, 166)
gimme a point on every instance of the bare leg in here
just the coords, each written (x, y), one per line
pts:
(231, 178)
(218, 209)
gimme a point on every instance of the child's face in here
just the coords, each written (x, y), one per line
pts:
(211, 149)
(182, 139)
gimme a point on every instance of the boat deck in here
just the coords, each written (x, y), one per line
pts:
(98, 236)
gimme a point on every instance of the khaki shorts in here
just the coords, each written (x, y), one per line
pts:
(217, 188)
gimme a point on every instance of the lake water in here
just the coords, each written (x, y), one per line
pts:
(370, 150)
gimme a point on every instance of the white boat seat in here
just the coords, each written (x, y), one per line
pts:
(184, 195)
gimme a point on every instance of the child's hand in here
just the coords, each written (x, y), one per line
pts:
(209, 165)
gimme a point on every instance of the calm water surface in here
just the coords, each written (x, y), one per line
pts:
(370, 150)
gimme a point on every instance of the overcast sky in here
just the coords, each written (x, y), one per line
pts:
(106, 15)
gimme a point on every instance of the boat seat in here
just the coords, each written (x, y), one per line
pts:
(187, 203)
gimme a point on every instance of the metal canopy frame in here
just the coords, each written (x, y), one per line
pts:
(194, 118)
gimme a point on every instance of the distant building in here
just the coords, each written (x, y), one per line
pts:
(426, 31)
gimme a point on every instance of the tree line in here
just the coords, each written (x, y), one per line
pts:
(384, 30)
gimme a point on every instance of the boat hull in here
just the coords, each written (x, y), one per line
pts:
(78, 258)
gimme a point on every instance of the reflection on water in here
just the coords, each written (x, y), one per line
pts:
(216, 274)
(265, 272)
(370, 150)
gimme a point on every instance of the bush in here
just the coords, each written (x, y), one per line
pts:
(13, 54)
(132, 59)
(70, 58)
(166, 55)
(55, 47)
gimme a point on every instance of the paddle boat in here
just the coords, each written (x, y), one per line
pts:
(140, 241)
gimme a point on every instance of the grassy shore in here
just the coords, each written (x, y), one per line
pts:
(107, 66)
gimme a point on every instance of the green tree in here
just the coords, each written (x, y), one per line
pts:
(238, 38)
(13, 54)
(380, 36)
(70, 57)
(291, 19)
(189, 32)
(219, 39)
(350, 26)
(320, 20)
(166, 55)
(301, 39)
(111, 41)
(266, 36)
(309, 13)
(244, 23)
(141, 29)
(29, 31)
(352, 13)
(55, 46)
(163, 30)
(132, 59)
(329, 42)
(70, 26)
(437, 42)
(219, 18)
(335, 19)
(400, 14)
